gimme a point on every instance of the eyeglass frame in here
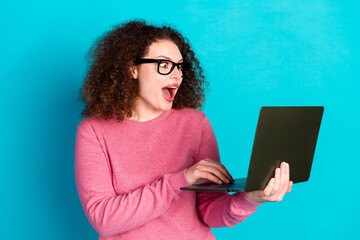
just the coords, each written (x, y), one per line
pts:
(158, 61)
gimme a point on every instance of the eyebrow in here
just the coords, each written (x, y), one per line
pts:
(168, 58)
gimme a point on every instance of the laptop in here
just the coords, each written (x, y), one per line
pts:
(286, 134)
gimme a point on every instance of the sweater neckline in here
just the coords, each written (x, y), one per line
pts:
(152, 121)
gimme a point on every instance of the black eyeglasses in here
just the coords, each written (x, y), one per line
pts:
(164, 67)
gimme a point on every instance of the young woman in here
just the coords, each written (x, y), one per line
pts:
(143, 138)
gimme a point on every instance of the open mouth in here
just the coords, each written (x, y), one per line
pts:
(169, 93)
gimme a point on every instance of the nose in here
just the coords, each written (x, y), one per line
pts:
(176, 73)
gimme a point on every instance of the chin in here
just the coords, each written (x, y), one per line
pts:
(166, 107)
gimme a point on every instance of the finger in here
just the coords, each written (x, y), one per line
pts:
(214, 171)
(219, 166)
(287, 179)
(201, 181)
(284, 182)
(277, 181)
(289, 187)
(269, 187)
(283, 173)
(209, 176)
(287, 176)
(287, 172)
(228, 175)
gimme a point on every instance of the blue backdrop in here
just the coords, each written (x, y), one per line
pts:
(254, 53)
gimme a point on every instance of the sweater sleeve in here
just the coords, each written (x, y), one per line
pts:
(219, 209)
(108, 212)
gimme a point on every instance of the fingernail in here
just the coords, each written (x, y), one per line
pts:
(227, 181)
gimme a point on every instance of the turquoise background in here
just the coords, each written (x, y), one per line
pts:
(254, 53)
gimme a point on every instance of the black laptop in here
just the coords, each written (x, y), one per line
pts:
(283, 134)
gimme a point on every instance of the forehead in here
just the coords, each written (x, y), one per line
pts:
(164, 48)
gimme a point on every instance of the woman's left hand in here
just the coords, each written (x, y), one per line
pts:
(276, 188)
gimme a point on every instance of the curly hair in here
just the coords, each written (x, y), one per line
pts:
(109, 88)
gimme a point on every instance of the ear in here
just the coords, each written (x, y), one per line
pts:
(134, 72)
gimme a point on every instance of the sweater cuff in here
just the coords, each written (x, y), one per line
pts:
(178, 180)
(241, 201)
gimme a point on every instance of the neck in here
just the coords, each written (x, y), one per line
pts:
(143, 113)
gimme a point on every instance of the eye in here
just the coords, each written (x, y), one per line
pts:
(164, 64)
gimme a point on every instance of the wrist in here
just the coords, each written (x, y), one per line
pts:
(185, 176)
(251, 197)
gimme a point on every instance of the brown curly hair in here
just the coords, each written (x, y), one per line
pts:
(109, 88)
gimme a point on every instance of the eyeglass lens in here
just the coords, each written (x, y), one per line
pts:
(166, 67)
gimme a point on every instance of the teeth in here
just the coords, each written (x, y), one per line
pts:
(171, 87)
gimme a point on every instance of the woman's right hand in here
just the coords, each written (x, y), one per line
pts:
(208, 170)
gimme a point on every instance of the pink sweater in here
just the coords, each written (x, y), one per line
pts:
(129, 175)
